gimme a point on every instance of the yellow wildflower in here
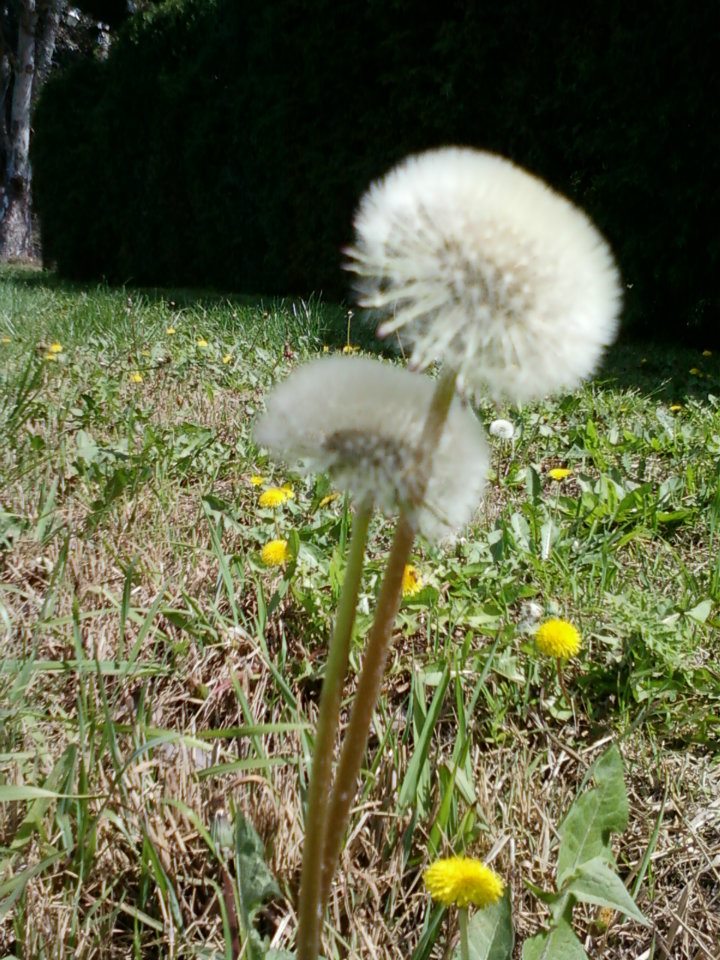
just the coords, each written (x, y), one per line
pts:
(559, 473)
(329, 499)
(202, 342)
(170, 331)
(694, 372)
(55, 348)
(227, 358)
(412, 582)
(136, 377)
(275, 553)
(6, 340)
(51, 356)
(273, 497)
(557, 638)
(256, 480)
(287, 487)
(707, 353)
(675, 407)
(326, 348)
(462, 881)
(350, 348)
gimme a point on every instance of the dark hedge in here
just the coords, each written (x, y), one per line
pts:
(226, 143)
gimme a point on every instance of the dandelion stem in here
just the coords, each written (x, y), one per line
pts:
(308, 938)
(378, 642)
(464, 941)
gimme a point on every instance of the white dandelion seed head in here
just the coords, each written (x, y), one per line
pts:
(477, 263)
(361, 420)
(502, 428)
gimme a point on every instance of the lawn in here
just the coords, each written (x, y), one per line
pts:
(159, 682)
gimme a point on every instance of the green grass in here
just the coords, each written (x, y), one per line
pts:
(158, 681)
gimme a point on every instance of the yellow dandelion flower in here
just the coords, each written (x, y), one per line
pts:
(559, 473)
(412, 582)
(557, 638)
(136, 377)
(462, 881)
(256, 480)
(51, 356)
(202, 342)
(227, 358)
(287, 487)
(275, 553)
(643, 361)
(171, 331)
(5, 339)
(329, 499)
(273, 497)
(350, 348)
(326, 348)
(675, 407)
(694, 372)
(55, 348)
(707, 353)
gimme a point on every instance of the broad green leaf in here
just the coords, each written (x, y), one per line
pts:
(596, 883)
(255, 881)
(585, 832)
(490, 932)
(701, 611)
(560, 943)
(409, 788)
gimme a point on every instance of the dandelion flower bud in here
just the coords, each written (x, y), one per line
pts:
(479, 264)
(361, 421)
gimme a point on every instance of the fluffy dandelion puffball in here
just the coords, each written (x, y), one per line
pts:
(477, 263)
(557, 638)
(275, 553)
(503, 429)
(361, 420)
(462, 881)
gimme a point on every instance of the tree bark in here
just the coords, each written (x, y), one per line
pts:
(16, 234)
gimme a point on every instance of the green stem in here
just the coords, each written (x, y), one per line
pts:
(378, 642)
(308, 938)
(464, 941)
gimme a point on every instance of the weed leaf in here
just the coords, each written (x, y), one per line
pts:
(560, 943)
(596, 883)
(490, 932)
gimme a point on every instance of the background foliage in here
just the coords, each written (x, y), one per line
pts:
(226, 143)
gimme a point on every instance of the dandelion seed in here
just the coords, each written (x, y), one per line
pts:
(136, 377)
(361, 420)
(55, 348)
(503, 429)
(477, 263)
(171, 331)
(559, 473)
(412, 582)
(256, 480)
(462, 881)
(558, 638)
(202, 342)
(273, 497)
(275, 553)
(227, 358)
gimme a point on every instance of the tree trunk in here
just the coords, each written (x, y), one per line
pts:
(16, 233)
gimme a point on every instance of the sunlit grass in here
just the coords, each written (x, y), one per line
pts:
(156, 671)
